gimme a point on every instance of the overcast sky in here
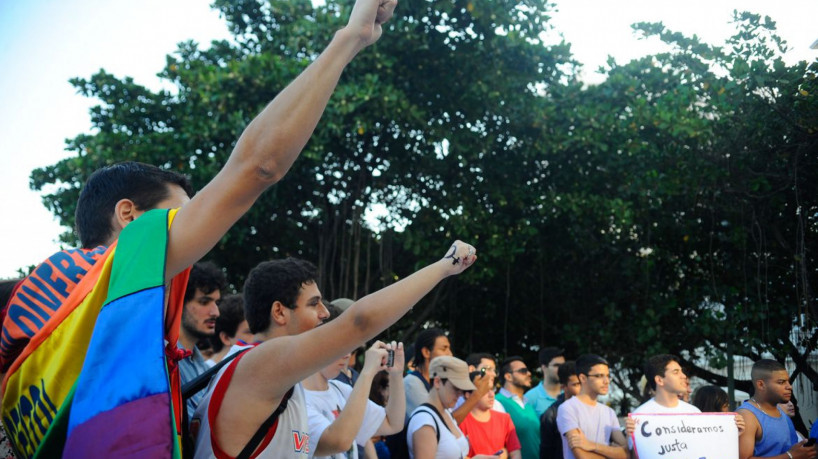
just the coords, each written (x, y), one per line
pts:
(44, 43)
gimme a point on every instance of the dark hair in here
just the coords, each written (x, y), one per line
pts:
(710, 399)
(656, 366)
(379, 381)
(231, 314)
(475, 358)
(334, 312)
(144, 184)
(547, 354)
(566, 370)
(764, 368)
(426, 340)
(6, 289)
(205, 276)
(506, 366)
(586, 361)
(271, 281)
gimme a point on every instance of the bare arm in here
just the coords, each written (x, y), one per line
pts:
(396, 405)
(339, 435)
(516, 454)
(424, 443)
(484, 383)
(262, 377)
(584, 448)
(271, 142)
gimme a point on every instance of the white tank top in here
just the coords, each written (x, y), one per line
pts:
(288, 438)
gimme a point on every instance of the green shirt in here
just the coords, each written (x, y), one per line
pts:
(527, 424)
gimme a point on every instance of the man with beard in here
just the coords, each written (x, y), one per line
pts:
(201, 309)
(769, 431)
(516, 378)
(546, 393)
(589, 428)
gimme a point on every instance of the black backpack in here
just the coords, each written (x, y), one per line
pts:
(397, 443)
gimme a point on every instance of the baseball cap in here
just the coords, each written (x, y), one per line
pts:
(453, 369)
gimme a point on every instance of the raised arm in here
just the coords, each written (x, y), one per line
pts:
(271, 142)
(484, 383)
(339, 435)
(396, 405)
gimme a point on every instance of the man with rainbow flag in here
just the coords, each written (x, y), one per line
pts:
(72, 384)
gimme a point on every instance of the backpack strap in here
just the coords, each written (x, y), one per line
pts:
(433, 413)
(265, 427)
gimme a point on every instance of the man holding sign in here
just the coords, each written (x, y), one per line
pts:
(667, 380)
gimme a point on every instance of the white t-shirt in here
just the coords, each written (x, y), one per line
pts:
(324, 406)
(652, 407)
(449, 446)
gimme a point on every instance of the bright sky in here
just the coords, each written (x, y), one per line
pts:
(44, 43)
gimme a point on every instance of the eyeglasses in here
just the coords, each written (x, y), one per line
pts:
(601, 376)
(522, 371)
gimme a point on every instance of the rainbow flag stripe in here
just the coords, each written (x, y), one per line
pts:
(95, 381)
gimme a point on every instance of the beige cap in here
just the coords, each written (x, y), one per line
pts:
(453, 369)
(342, 303)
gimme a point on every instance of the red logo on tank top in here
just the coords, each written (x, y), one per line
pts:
(301, 442)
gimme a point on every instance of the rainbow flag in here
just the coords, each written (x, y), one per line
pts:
(96, 380)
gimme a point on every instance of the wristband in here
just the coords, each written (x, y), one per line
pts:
(789, 454)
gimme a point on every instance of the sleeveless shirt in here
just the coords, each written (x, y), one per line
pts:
(288, 438)
(777, 434)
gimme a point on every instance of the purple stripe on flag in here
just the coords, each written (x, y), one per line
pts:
(138, 429)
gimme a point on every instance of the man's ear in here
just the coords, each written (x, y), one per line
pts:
(277, 314)
(658, 380)
(226, 340)
(426, 353)
(124, 212)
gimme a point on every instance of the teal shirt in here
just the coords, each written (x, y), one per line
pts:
(527, 424)
(539, 399)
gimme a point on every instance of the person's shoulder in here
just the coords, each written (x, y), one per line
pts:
(645, 407)
(535, 392)
(685, 407)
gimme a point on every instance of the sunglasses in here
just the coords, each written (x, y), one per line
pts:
(522, 371)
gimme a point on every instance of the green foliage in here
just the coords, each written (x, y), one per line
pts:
(671, 208)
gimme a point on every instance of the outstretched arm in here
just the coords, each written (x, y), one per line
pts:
(264, 375)
(271, 142)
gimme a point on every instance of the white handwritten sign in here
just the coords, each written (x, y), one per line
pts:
(685, 436)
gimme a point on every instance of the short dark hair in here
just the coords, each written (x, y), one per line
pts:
(566, 370)
(656, 366)
(426, 340)
(764, 368)
(710, 399)
(144, 184)
(205, 276)
(231, 314)
(271, 281)
(475, 357)
(506, 366)
(587, 361)
(547, 354)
